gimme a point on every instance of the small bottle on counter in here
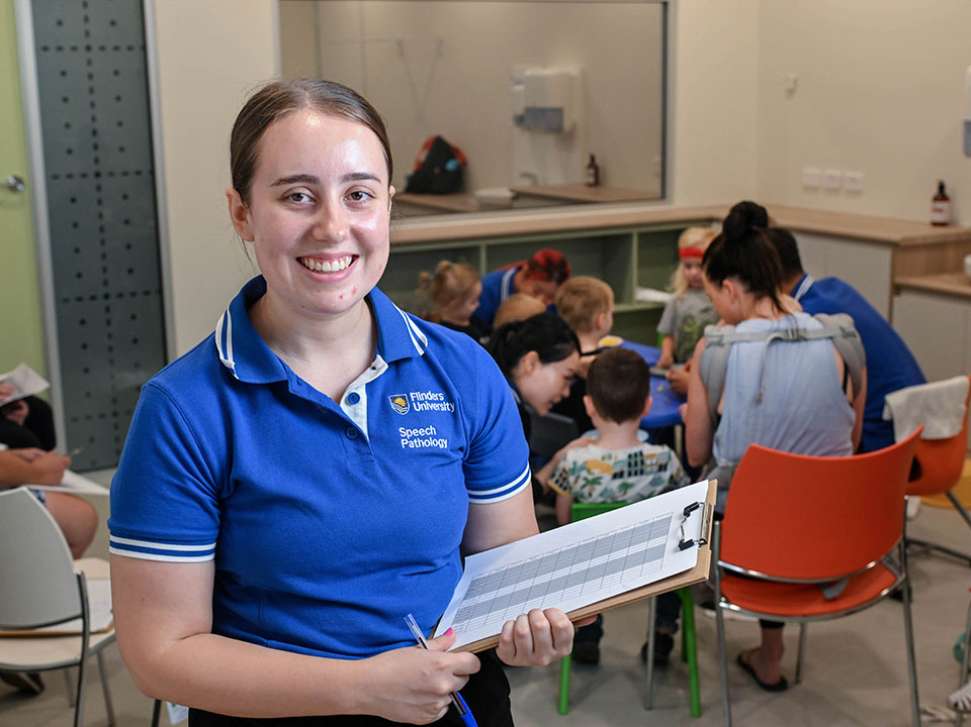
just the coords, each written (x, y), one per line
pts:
(593, 172)
(941, 206)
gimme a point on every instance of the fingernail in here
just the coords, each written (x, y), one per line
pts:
(449, 632)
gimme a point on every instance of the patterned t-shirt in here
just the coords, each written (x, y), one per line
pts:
(595, 474)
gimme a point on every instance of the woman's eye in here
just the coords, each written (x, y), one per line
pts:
(359, 195)
(298, 197)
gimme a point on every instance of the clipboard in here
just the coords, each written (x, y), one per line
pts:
(697, 574)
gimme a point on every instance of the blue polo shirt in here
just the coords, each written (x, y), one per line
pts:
(889, 363)
(328, 521)
(496, 287)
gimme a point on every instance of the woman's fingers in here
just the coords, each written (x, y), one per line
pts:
(536, 639)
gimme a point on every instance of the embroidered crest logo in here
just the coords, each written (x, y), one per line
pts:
(399, 402)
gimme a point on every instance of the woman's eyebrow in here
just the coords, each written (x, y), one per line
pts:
(311, 179)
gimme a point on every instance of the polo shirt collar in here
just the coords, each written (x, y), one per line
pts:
(245, 354)
(803, 286)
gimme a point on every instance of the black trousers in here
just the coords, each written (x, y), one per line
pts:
(487, 695)
(37, 431)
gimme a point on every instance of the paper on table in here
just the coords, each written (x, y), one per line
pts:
(25, 381)
(74, 484)
(576, 565)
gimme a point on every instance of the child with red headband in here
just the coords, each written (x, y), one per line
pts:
(689, 310)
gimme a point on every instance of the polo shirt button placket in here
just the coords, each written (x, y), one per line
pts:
(353, 398)
(351, 433)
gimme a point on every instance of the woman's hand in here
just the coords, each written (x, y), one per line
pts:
(16, 411)
(536, 639)
(414, 685)
(49, 468)
(665, 361)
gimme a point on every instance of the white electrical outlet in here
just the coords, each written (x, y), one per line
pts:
(811, 177)
(853, 182)
(832, 179)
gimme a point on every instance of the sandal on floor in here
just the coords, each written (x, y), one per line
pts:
(779, 686)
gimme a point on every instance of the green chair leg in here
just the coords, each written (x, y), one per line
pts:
(564, 705)
(690, 647)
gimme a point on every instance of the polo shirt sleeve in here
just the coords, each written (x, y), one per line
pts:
(496, 464)
(164, 503)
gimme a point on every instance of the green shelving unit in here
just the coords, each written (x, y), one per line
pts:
(625, 258)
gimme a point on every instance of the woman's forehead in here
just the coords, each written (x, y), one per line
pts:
(308, 141)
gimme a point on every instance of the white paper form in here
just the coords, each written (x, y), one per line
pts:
(576, 565)
(74, 484)
(25, 382)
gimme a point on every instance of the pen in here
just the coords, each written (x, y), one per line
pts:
(460, 706)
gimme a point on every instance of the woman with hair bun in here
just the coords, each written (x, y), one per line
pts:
(774, 377)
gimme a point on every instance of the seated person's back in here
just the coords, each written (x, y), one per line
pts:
(890, 364)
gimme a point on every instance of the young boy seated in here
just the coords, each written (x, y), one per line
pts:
(587, 306)
(616, 467)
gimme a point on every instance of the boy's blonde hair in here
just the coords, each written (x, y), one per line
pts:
(517, 307)
(581, 299)
(449, 284)
(693, 237)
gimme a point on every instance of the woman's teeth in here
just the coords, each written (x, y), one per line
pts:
(326, 266)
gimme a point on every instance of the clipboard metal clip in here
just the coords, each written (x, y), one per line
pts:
(685, 542)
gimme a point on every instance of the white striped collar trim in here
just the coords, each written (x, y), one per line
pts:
(414, 333)
(804, 286)
(505, 288)
(226, 352)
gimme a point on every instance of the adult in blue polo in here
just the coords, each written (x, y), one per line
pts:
(540, 276)
(889, 363)
(314, 470)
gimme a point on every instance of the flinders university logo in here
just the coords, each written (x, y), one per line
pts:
(399, 402)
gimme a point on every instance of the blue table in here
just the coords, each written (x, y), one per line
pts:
(665, 402)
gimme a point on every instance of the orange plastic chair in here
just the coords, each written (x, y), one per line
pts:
(940, 463)
(794, 524)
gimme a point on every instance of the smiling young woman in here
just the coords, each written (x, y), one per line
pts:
(273, 519)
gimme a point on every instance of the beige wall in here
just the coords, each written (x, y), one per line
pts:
(209, 56)
(714, 92)
(879, 91)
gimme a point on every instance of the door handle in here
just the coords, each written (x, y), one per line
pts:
(14, 183)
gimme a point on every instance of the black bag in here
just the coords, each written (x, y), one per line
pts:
(439, 168)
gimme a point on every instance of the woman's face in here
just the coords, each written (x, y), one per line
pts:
(542, 385)
(318, 212)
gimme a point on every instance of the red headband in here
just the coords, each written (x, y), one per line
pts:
(686, 253)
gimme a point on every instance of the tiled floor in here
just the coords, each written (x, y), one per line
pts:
(855, 674)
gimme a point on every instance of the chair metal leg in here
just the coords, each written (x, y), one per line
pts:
(800, 655)
(106, 690)
(723, 662)
(909, 633)
(959, 507)
(68, 686)
(156, 712)
(940, 549)
(651, 615)
(79, 701)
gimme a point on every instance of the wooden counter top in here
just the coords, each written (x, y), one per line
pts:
(583, 193)
(514, 223)
(952, 284)
(459, 202)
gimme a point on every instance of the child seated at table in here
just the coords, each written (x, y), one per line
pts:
(689, 310)
(616, 467)
(452, 295)
(587, 305)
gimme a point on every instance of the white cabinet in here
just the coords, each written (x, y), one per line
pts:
(937, 328)
(865, 266)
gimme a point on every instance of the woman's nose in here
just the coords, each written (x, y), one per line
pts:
(331, 224)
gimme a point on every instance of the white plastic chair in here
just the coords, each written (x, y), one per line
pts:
(42, 586)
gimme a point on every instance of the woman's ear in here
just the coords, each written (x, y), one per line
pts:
(529, 363)
(239, 214)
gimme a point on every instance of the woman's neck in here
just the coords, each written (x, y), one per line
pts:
(763, 307)
(327, 352)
